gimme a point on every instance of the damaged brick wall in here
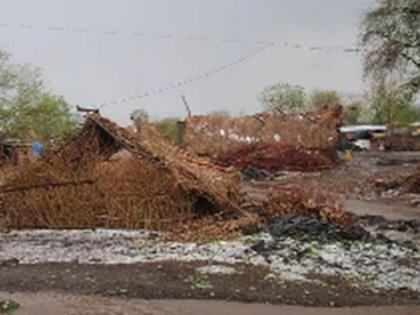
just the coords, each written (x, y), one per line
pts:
(106, 176)
(215, 136)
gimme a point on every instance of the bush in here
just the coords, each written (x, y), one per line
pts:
(168, 128)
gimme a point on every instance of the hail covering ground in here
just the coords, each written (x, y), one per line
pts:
(368, 263)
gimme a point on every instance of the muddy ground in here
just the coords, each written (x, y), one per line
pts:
(175, 280)
(52, 303)
(357, 181)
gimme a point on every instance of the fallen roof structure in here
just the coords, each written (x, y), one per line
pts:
(107, 176)
(81, 180)
(196, 176)
(358, 128)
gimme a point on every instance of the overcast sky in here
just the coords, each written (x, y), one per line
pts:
(90, 68)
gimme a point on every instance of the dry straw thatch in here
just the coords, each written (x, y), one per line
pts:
(275, 157)
(86, 183)
(107, 176)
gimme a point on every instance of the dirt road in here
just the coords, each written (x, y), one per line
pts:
(175, 280)
(48, 303)
(380, 208)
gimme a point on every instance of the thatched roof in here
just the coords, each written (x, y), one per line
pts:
(195, 175)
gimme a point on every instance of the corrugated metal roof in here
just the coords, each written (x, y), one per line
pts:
(357, 128)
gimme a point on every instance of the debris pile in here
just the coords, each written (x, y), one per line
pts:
(305, 202)
(89, 182)
(412, 182)
(275, 157)
(401, 143)
(295, 225)
(217, 136)
(107, 176)
(407, 183)
(258, 212)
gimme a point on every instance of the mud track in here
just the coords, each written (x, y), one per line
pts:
(48, 303)
(172, 280)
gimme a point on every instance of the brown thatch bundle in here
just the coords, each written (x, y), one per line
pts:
(410, 183)
(310, 203)
(153, 186)
(259, 210)
(138, 195)
(108, 177)
(275, 157)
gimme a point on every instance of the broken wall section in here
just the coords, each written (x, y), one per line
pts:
(107, 176)
(218, 136)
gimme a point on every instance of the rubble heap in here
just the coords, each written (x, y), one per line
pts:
(307, 202)
(107, 176)
(411, 183)
(275, 157)
(222, 138)
(404, 183)
(401, 143)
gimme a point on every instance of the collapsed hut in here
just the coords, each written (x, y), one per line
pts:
(274, 141)
(106, 176)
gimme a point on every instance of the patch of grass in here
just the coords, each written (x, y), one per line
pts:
(200, 283)
(168, 128)
(358, 244)
(410, 246)
(311, 253)
(338, 243)
(257, 236)
(352, 278)
(213, 242)
(306, 238)
(8, 306)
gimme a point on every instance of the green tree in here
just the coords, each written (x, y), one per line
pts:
(321, 99)
(27, 111)
(139, 115)
(168, 128)
(284, 98)
(353, 113)
(51, 117)
(390, 36)
(219, 113)
(390, 104)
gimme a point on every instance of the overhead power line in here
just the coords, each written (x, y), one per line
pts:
(201, 38)
(191, 80)
(263, 44)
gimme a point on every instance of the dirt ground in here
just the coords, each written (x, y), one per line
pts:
(356, 182)
(180, 281)
(50, 303)
(389, 210)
